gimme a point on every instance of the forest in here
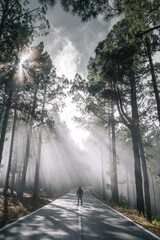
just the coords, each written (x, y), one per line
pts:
(119, 102)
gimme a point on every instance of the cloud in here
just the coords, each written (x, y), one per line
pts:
(69, 36)
(63, 51)
(67, 60)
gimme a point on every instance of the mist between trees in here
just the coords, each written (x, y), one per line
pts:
(63, 165)
(119, 102)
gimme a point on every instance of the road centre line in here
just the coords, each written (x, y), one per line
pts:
(80, 223)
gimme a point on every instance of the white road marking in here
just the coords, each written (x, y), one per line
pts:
(144, 229)
(80, 223)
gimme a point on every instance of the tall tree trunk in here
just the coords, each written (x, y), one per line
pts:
(134, 194)
(135, 140)
(102, 169)
(138, 174)
(36, 179)
(4, 127)
(13, 177)
(154, 82)
(127, 179)
(1, 116)
(115, 181)
(110, 146)
(15, 169)
(38, 160)
(10, 154)
(135, 116)
(146, 180)
(26, 158)
(153, 191)
(4, 16)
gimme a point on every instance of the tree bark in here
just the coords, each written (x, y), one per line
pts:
(135, 140)
(127, 179)
(135, 116)
(1, 115)
(102, 169)
(36, 179)
(137, 170)
(4, 17)
(146, 179)
(154, 82)
(154, 193)
(24, 171)
(10, 155)
(114, 178)
(26, 158)
(5, 123)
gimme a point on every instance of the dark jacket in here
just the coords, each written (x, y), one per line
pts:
(80, 192)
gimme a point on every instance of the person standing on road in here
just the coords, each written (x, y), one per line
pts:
(80, 195)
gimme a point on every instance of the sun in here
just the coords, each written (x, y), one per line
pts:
(27, 59)
(24, 57)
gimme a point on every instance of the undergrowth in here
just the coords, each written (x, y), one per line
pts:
(12, 208)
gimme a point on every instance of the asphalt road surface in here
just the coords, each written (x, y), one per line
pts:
(64, 220)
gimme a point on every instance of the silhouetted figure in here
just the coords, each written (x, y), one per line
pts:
(80, 195)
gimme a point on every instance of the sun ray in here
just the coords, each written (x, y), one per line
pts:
(24, 57)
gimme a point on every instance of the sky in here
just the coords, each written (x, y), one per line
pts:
(70, 44)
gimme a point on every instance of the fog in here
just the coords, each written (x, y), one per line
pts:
(64, 165)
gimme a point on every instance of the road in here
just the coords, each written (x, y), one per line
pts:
(64, 220)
